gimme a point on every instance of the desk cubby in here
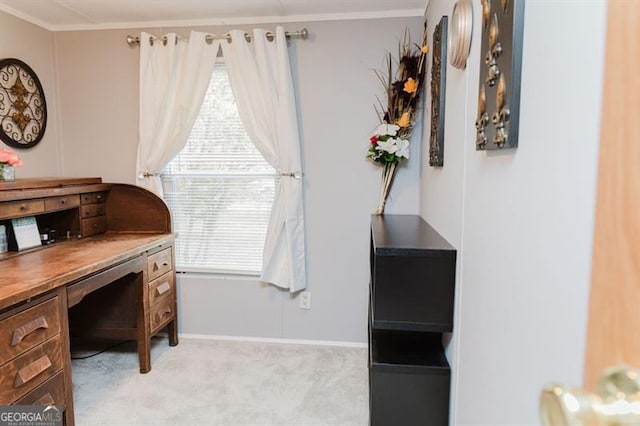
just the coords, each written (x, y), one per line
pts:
(410, 305)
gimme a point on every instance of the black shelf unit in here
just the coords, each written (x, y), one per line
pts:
(410, 306)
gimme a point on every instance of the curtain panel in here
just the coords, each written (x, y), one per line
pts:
(174, 76)
(260, 76)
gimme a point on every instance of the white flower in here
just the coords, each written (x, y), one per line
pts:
(387, 129)
(388, 146)
(402, 148)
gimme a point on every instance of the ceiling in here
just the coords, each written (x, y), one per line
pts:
(62, 15)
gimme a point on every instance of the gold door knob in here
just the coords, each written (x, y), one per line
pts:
(615, 403)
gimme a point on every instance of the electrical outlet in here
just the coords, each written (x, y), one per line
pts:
(305, 300)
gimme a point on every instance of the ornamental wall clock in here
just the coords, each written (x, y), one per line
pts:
(23, 109)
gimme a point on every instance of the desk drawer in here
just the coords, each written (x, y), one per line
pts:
(50, 392)
(61, 203)
(93, 226)
(26, 372)
(21, 208)
(93, 197)
(29, 328)
(162, 313)
(162, 288)
(92, 210)
(159, 263)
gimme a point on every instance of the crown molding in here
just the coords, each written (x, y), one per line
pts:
(25, 17)
(401, 13)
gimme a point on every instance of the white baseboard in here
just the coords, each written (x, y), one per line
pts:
(272, 340)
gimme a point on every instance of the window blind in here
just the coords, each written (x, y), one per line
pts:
(220, 190)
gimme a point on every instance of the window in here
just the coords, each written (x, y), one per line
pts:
(220, 189)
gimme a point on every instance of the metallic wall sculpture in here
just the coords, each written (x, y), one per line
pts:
(23, 109)
(438, 93)
(460, 31)
(499, 86)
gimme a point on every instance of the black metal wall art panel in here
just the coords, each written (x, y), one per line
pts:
(438, 93)
(499, 86)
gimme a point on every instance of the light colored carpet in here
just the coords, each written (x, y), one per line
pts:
(208, 382)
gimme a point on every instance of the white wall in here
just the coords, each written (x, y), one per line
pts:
(336, 88)
(34, 46)
(521, 219)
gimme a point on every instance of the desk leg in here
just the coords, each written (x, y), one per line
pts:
(172, 327)
(144, 355)
(144, 334)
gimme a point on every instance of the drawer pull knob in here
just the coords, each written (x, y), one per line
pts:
(163, 288)
(156, 266)
(23, 207)
(161, 314)
(47, 399)
(29, 372)
(24, 330)
(63, 201)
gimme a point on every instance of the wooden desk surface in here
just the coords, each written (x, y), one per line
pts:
(33, 273)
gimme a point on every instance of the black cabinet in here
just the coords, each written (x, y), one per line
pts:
(411, 304)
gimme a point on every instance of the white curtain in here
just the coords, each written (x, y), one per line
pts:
(260, 77)
(174, 76)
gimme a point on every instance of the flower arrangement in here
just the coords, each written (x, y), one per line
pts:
(8, 160)
(389, 144)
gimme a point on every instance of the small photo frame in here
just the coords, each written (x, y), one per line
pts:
(4, 244)
(24, 234)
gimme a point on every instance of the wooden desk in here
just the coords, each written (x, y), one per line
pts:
(117, 281)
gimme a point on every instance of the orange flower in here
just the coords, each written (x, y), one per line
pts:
(410, 86)
(404, 120)
(424, 49)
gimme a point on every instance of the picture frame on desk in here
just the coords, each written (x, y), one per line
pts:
(23, 234)
(4, 245)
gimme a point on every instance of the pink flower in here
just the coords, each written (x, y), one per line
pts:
(11, 158)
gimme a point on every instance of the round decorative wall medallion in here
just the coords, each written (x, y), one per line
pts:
(23, 109)
(459, 41)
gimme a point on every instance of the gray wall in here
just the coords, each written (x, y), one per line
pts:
(34, 46)
(521, 219)
(336, 89)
